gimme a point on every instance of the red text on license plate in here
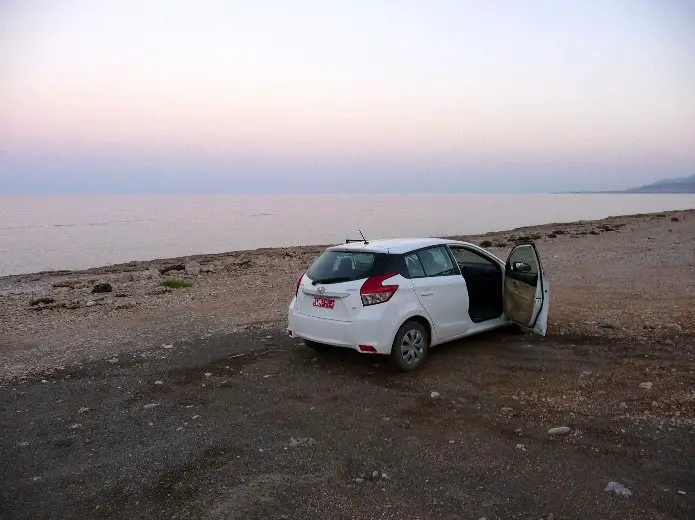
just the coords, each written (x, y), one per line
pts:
(324, 303)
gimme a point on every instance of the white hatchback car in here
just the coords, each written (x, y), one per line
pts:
(399, 297)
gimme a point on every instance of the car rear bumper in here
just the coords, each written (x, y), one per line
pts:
(367, 330)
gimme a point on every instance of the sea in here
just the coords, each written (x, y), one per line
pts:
(78, 232)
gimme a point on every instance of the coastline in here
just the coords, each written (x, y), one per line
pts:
(597, 271)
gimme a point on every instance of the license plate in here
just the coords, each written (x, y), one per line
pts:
(324, 303)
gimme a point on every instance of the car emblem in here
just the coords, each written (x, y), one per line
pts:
(321, 290)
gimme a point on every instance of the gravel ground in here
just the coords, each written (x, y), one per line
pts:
(629, 278)
(192, 403)
(252, 425)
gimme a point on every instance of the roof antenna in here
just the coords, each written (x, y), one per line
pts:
(362, 235)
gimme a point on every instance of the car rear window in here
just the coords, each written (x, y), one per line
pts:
(346, 266)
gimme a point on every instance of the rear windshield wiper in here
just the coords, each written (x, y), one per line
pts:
(331, 280)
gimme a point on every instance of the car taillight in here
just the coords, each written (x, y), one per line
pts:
(299, 282)
(373, 292)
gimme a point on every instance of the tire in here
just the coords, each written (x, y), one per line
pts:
(410, 346)
(318, 347)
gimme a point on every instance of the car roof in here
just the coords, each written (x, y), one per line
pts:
(396, 245)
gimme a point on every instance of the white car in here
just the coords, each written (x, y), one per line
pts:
(400, 297)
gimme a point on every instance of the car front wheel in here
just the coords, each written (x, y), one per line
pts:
(410, 346)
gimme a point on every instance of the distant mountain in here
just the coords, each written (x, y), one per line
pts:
(679, 185)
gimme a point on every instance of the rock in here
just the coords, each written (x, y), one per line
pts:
(179, 429)
(150, 405)
(195, 417)
(681, 492)
(90, 303)
(43, 300)
(123, 277)
(618, 489)
(113, 360)
(73, 304)
(673, 327)
(434, 395)
(126, 304)
(158, 382)
(208, 374)
(359, 480)
(647, 385)
(167, 346)
(521, 447)
(560, 430)
(375, 474)
(22, 444)
(193, 268)
(76, 426)
(384, 475)
(506, 409)
(66, 284)
(607, 325)
(172, 267)
(102, 287)
(301, 441)
(84, 409)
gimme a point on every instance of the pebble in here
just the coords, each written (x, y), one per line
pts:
(647, 385)
(521, 447)
(158, 382)
(208, 374)
(22, 444)
(195, 417)
(167, 346)
(44, 381)
(359, 480)
(90, 303)
(384, 475)
(681, 492)
(35, 479)
(180, 428)
(113, 360)
(434, 395)
(84, 409)
(506, 409)
(560, 430)
(618, 489)
(375, 474)
(76, 426)
(150, 405)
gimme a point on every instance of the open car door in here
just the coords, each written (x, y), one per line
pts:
(526, 290)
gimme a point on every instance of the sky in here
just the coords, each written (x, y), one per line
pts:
(332, 96)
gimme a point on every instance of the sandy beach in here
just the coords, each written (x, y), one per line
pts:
(629, 278)
(150, 402)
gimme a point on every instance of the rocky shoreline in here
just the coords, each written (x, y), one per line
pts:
(628, 278)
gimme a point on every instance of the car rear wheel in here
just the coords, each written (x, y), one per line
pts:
(410, 346)
(318, 347)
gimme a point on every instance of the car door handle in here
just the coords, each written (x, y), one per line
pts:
(426, 293)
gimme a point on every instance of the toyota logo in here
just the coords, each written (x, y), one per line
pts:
(321, 290)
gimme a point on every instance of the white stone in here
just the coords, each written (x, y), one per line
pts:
(193, 268)
(560, 430)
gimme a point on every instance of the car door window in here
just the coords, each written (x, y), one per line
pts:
(415, 269)
(436, 261)
(466, 256)
(522, 265)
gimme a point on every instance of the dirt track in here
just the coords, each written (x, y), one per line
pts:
(219, 442)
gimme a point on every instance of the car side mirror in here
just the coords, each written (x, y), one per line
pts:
(521, 267)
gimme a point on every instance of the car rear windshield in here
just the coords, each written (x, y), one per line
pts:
(345, 266)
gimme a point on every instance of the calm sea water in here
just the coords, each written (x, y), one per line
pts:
(79, 232)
